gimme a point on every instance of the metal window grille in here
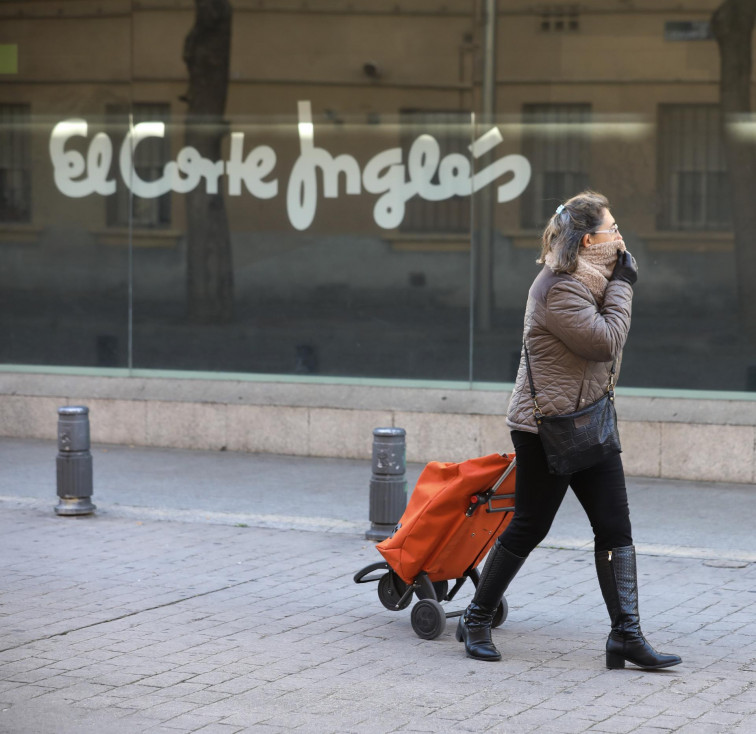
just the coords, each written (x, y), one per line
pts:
(692, 170)
(556, 143)
(150, 158)
(452, 131)
(15, 162)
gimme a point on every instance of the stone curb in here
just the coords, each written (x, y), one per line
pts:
(347, 527)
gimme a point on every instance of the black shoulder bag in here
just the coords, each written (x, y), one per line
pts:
(578, 440)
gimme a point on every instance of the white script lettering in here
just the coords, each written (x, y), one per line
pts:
(426, 174)
(302, 193)
(68, 165)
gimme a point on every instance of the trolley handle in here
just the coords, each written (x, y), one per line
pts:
(489, 495)
(491, 500)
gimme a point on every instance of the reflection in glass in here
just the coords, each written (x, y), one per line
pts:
(15, 163)
(234, 187)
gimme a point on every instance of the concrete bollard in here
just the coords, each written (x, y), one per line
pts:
(388, 485)
(74, 462)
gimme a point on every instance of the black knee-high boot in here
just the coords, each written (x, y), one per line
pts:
(619, 585)
(475, 624)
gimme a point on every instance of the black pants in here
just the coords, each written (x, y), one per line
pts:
(601, 491)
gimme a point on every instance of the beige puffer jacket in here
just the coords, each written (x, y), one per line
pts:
(572, 344)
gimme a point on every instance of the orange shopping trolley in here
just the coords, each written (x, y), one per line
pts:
(455, 513)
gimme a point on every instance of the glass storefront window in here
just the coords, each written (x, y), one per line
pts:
(317, 190)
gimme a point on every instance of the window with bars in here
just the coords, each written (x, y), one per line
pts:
(15, 163)
(556, 143)
(452, 131)
(150, 158)
(693, 184)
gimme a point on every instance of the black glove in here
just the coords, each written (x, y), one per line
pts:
(625, 268)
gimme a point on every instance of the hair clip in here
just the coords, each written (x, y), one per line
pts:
(559, 209)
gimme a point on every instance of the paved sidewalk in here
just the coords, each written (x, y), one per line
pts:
(184, 604)
(701, 520)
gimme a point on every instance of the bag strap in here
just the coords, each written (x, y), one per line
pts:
(536, 410)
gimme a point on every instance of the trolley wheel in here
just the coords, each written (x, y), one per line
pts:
(390, 591)
(501, 613)
(428, 619)
(440, 587)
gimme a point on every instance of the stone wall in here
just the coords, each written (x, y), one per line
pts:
(674, 437)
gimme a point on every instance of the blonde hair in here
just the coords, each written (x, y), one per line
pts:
(578, 216)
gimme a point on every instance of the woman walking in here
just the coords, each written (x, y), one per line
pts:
(576, 323)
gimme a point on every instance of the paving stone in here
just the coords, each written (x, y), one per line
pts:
(170, 709)
(216, 728)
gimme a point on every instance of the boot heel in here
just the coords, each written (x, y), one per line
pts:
(614, 661)
(458, 632)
